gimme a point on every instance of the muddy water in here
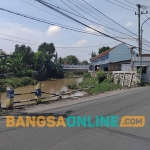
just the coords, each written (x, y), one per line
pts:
(53, 86)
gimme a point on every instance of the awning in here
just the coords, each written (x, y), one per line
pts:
(141, 65)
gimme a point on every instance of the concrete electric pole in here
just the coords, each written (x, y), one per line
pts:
(140, 34)
(139, 27)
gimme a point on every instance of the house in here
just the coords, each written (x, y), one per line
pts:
(145, 64)
(112, 59)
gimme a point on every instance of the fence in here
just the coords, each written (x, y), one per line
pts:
(9, 102)
(76, 66)
(125, 78)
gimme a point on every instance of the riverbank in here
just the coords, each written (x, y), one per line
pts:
(17, 82)
(73, 74)
(66, 102)
(96, 85)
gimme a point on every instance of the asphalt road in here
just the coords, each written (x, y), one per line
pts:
(127, 102)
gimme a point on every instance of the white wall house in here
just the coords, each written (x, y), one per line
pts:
(145, 63)
(112, 57)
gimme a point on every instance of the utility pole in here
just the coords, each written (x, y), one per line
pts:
(140, 30)
(139, 27)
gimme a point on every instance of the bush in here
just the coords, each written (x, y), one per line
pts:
(99, 84)
(25, 81)
(142, 83)
(17, 82)
(72, 86)
(109, 80)
(86, 75)
(101, 76)
(29, 73)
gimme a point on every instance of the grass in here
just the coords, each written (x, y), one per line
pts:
(17, 82)
(73, 74)
(93, 85)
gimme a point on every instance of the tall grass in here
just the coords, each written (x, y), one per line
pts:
(99, 84)
(17, 82)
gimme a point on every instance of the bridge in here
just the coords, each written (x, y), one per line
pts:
(76, 68)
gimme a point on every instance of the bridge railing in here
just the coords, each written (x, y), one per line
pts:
(76, 66)
(10, 102)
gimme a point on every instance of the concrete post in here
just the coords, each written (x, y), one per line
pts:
(0, 100)
(9, 97)
(0, 93)
(38, 93)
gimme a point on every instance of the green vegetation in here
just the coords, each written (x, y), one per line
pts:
(73, 74)
(41, 65)
(73, 60)
(98, 84)
(85, 62)
(103, 49)
(72, 86)
(26, 63)
(17, 82)
(86, 75)
(101, 76)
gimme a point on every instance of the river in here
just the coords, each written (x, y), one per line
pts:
(51, 86)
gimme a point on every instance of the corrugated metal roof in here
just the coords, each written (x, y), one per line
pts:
(103, 54)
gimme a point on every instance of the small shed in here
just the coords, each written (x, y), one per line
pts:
(145, 63)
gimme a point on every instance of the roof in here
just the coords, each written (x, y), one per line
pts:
(146, 55)
(103, 54)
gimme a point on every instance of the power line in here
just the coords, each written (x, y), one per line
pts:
(56, 46)
(63, 47)
(93, 21)
(78, 6)
(106, 27)
(51, 23)
(51, 14)
(88, 46)
(144, 20)
(62, 13)
(129, 2)
(119, 5)
(45, 10)
(124, 4)
(86, 18)
(18, 38)
(114, 21)
(19, 41)
(55, 9)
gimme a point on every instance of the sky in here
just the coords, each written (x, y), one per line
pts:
(26, 29)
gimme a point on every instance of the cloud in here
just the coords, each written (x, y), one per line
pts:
(129, 24)
(53, 30)
(22, 32)
(80, 43)
(12, 28)
(101, 29)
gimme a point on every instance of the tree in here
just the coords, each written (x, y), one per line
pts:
(47, 48)
(103, 49)
(26, 53)
(60, 61)
(71, 60)
(24, 62)
(84, 62)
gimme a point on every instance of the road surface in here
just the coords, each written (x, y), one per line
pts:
(120, 103)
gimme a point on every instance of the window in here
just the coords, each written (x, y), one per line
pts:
(144, 69)
(119, 67)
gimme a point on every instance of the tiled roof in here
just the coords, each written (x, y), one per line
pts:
(146, 55)
(103, 54)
